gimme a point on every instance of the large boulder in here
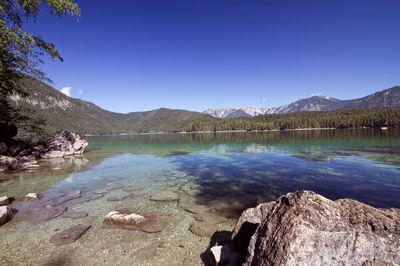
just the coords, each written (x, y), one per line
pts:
(65, 144)
(304, 228)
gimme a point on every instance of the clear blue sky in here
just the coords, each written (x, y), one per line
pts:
(140, 55)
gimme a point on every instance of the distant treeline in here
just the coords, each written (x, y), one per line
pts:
(349, 118)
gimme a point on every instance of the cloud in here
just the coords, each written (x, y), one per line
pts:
(66, 91)
(80, 91)
(316, 94)
(264, 99)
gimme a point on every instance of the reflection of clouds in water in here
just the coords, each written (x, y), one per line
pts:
(251, 148)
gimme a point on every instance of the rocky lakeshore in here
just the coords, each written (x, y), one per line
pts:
(21, 156)
(304, 228)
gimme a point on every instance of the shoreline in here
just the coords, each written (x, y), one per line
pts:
(227, 131)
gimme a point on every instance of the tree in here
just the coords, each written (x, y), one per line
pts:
(20, 51)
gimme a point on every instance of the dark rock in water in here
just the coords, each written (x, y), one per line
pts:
(74, 215)
(306, 228)
(165, 196)
(70, 235)
(203, 229)
(146, 222)
(4, 200)
(117, 197)
(65, 144)
(6, 214)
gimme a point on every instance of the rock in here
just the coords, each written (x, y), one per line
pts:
(306, 228)
(3, 148)
(222, 255)
(8, 163)
(70, 196)
(203, 229)
(100, 191)
(65, 144)
(74, 215)
(96, 196)
(165, 196)
(146, 222)
(210, 218)
(113, 186)
(6, 214)
(32, 196)
(5, 200)
(117, 198)
(132, 188)
(70, 235)
(197, 209)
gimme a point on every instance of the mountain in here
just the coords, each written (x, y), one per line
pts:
(389, 98)
(62, 112)
(227, 112)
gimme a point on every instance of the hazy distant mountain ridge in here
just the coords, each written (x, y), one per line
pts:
(389, 98)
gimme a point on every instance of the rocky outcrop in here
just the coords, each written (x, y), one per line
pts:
(305, 228)
(20, 155)
(64, 144)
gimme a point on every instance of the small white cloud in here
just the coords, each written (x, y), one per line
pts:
(316, 94)
(66, 91)
(80, 91)
(264, 99)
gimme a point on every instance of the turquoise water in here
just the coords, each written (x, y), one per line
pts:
(226, 172)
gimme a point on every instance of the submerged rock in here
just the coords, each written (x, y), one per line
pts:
(5, 200)
(126, 207)
(306, 228)
(114, 186)
(165, 196)
(70, 235)
(74, 215)
(6, 214)
(210, 218)
(132, 188)
(197, 209)
(146, 222)
(70, 196)
(203, 229)
(117, 198)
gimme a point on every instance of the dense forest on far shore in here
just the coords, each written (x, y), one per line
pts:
(349, 118)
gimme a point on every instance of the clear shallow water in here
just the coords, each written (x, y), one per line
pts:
(226, 172)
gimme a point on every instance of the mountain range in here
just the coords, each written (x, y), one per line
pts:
(389, 98)
(61, 112)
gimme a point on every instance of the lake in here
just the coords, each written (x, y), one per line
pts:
(222, 173)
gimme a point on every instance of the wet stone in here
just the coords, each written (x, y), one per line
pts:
(32, 196)
(70, 235)
(146, 222)
(6, 214)
(165, 196)
(96, 196)
(79, 200)
(67, 197)
(74, 215)
(136, 195)
(5, 200)
(132, 188)
(117, 198)
(100, 191)
(113, 186)
(203, 229)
